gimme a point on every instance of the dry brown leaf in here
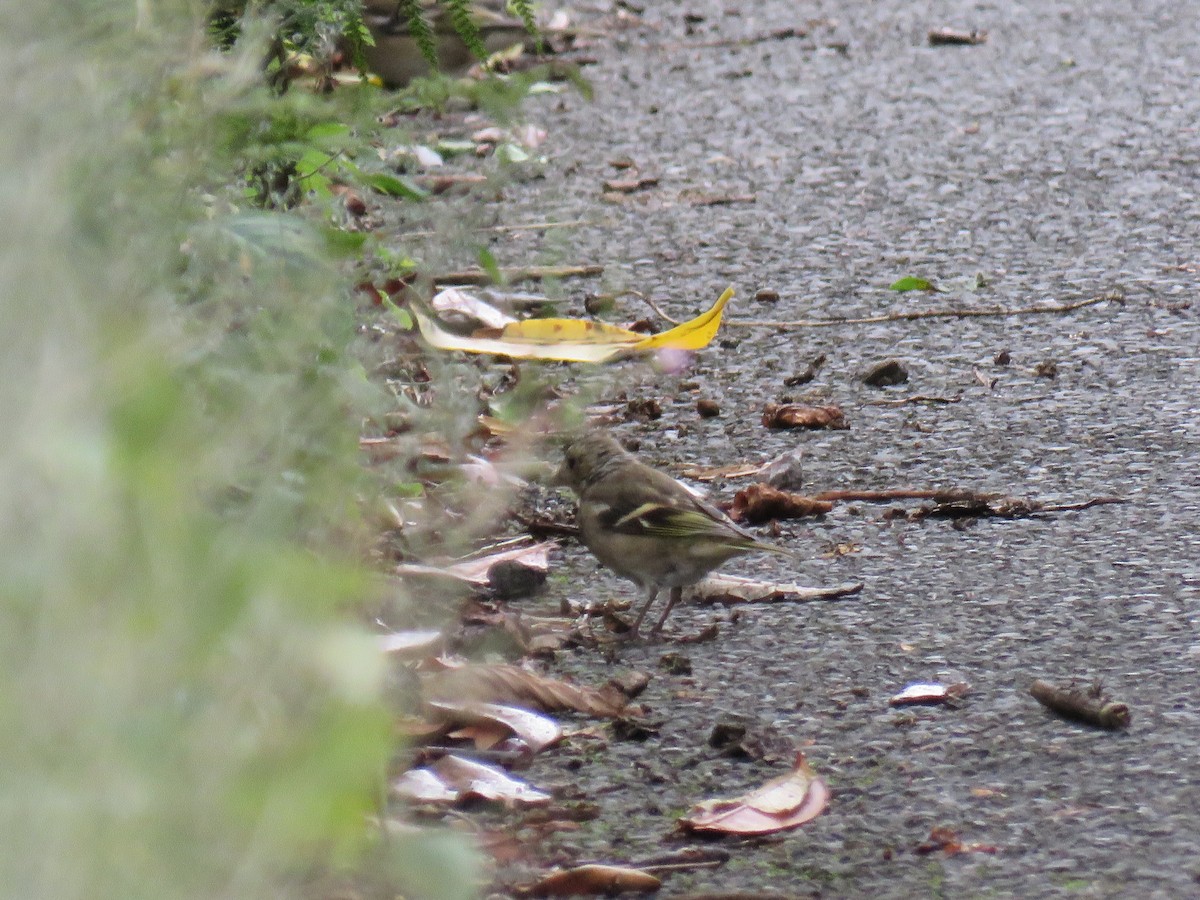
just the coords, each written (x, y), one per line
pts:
(761, 503)
(594, 880)
(514, 684)
(800, 415)
(947, 841)
(782, 803)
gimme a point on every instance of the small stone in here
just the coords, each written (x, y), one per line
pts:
(707, 408)
(887, 373)
(599, 304)
(767, 295)
(511, 579)
(1046, 369)
(1003, 358)
(645, 409)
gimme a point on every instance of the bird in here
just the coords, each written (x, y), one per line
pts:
(645, 525)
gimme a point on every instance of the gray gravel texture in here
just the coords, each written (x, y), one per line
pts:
(1059, 160)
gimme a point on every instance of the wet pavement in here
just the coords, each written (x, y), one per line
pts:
(1058, 161)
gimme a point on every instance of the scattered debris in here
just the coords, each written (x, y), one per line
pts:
(701, 199)
(736, 736)
(946, 840)
(766, 295)
(800, 415)
(761, 503)
(916, 398)
(808, 374)
(1003, 358)
(712, 473)
(675, 664)
(645, 409)
(1046, 369)
(631, 184)
(782, 803)
(886, 374)
(785, 471)
(1084, 704)
(707, 408)
(943, 37)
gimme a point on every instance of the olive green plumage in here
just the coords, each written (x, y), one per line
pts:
(645, 525)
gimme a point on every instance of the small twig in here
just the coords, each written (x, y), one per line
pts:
(778, 34)
(880, 496)
(479, 277)
(530, 226)
(916, 398)
(1085, 705)
(927, 314)
(1087, 504)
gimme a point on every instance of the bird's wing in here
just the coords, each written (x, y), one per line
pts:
(662, 507)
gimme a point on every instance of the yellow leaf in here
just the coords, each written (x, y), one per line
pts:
(568, 331)
(574, 340)
(690, 335)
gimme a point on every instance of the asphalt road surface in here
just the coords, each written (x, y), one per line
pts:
(1057, 161)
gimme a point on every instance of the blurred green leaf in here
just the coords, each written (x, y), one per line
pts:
(395, 186)
(911, 283)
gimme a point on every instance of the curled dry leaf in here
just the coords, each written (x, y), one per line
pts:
(800, 415)
(453, 778)
(761, 503)
(782, 803)
(536, 731)
(594, 880)
(514, 684)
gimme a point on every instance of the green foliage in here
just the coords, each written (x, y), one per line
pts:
(911, 283)
(187, 707)
(459, 12)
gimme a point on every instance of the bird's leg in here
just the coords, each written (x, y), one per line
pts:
(676, 596)
(633, 632)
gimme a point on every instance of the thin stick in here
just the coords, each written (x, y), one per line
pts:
(898, 317)
(916, 398)
(1085, 705)
(529, 226)
(928, 314)
(479, 277)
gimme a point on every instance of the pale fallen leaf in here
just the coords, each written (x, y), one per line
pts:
(537, 731)
(785, 802)
(469, 308)
(412, 644)
(453, 778)
(475, 571)
(594, 880)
